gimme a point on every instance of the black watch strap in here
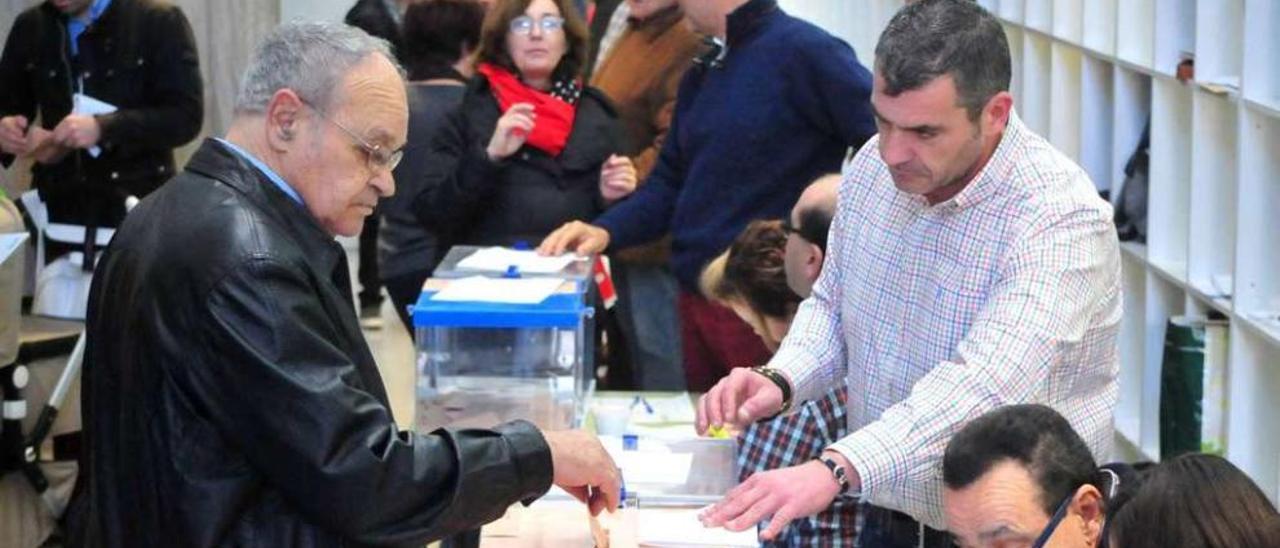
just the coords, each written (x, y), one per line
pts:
(837, 471)
(777, 378)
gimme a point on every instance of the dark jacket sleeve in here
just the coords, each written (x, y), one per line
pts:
(279, 388)
(645, 216)
(459, 175)
(831, 89)
(174, 92)
(15, 93)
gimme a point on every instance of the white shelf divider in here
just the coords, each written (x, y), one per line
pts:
(1135, 20)
(1219, 30)
(1097, 106)
(1065, 94)
(1261, 72)
(1175, 34)
(1169, 188)
(1036, 68)
(1099, 26)
(1214, 173)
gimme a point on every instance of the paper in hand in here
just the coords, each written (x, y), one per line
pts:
(88, 106)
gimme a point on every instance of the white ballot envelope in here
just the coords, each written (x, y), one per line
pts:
(88, 106)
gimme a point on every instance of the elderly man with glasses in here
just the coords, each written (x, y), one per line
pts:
(229, 397)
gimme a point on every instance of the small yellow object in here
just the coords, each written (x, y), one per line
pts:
(718, 432)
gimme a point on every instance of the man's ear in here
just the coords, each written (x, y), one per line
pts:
(996, 114)
(813, 262)
(1088, 504)
(283, 119)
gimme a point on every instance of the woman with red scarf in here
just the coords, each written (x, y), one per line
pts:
(530, 148)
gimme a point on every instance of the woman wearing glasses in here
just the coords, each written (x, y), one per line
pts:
(530, 148)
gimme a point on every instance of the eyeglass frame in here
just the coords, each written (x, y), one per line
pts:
(516, 26)
(376, 157)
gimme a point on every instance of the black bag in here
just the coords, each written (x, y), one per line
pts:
(1131, 205)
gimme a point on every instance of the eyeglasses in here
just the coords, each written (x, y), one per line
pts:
(1058, 516)
(377, 156)
(790, 228)
(523, 25)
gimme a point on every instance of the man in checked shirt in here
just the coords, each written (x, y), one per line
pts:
(971, 266)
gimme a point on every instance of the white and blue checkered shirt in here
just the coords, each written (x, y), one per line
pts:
(1007, 293)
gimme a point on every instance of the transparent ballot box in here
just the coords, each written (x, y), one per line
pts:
(496, 350)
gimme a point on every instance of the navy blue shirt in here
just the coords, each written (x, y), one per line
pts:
(748, 135)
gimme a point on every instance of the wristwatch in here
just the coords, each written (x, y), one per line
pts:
(838, 472)
(777, 378)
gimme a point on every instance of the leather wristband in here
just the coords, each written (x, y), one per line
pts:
(777, 378)
(837, 471)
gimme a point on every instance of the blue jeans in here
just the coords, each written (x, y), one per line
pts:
(647, 316)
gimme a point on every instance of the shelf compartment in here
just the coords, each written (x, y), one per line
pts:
(1097, 107)
(1175, 34)
(1036, 68)
(1065, 96)
(1169, 186)
(1253, 434)
(1135, 21)
(1099, 26)
(1132, 96)
(1214, 174)
(1258, 236)
(1219, 34)
(1164, 300)
(1261, 72)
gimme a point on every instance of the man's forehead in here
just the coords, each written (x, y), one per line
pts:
(923, 105)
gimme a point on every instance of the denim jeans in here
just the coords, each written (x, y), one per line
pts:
(647, 316)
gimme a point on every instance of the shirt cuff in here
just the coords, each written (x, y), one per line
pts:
(808, 381)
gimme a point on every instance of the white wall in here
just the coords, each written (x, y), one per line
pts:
(314, 10)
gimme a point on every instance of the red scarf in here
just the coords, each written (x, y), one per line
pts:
(554, 115)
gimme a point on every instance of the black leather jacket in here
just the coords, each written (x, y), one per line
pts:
(139, 55)
(229, 397)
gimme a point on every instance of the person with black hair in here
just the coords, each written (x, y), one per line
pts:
(971, 265)
(440, 40)
(1022, 476)
(1194, 501)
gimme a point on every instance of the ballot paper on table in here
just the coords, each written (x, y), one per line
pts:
(480, 289)
(499, 259)
(88, 106)
(673, 528)
(10, 243)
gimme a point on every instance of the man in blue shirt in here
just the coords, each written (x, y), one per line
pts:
(780, 104)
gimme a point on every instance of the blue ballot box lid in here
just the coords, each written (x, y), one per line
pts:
(560, 310)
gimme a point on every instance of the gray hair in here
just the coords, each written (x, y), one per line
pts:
(932, 38)
(310, 58)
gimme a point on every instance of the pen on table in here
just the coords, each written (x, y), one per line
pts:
(639, 400)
